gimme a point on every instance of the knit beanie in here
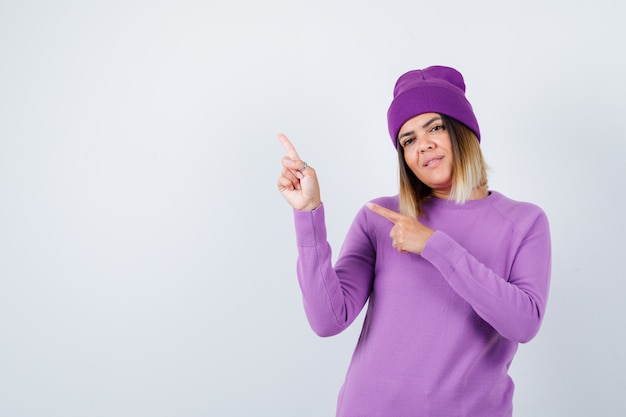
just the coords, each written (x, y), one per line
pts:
(434, 89)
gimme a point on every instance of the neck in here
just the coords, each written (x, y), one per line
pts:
(478, 193)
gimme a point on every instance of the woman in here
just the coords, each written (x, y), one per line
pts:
(455, 275)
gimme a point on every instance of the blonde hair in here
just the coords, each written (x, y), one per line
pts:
(469, 171)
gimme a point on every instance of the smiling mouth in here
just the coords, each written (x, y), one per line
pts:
(433, 160)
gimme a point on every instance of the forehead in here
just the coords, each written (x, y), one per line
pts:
(417, 123)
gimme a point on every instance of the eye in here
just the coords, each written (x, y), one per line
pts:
(437, 128)
(408, 142)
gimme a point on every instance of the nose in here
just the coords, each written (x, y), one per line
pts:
(425, 144)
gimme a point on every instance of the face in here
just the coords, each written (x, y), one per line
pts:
(428, 152)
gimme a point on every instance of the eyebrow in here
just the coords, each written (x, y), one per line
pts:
(424, 126)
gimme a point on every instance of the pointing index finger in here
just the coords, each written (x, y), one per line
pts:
(289, 148)
(390, 215)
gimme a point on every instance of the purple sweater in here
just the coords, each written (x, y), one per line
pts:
(442, 327)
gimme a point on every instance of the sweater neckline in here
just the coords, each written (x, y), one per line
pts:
(468, 205)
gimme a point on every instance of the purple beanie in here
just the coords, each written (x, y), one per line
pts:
(434, 89)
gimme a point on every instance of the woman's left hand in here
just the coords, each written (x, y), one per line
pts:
(407, 234)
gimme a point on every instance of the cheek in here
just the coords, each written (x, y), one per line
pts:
(413, 167)
(411, 160)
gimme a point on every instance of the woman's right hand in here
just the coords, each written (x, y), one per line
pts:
(298, 181)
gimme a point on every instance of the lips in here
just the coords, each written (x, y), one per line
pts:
(433, 161)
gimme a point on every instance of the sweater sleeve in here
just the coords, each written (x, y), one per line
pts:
(333, 296)
(513, 305)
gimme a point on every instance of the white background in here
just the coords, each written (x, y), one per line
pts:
(147, 260)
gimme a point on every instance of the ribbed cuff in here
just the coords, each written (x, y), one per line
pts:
(442, 251)
(310, 226)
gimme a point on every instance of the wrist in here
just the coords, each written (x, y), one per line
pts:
(311, 206)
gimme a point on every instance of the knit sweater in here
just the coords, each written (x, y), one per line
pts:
(442, 327)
